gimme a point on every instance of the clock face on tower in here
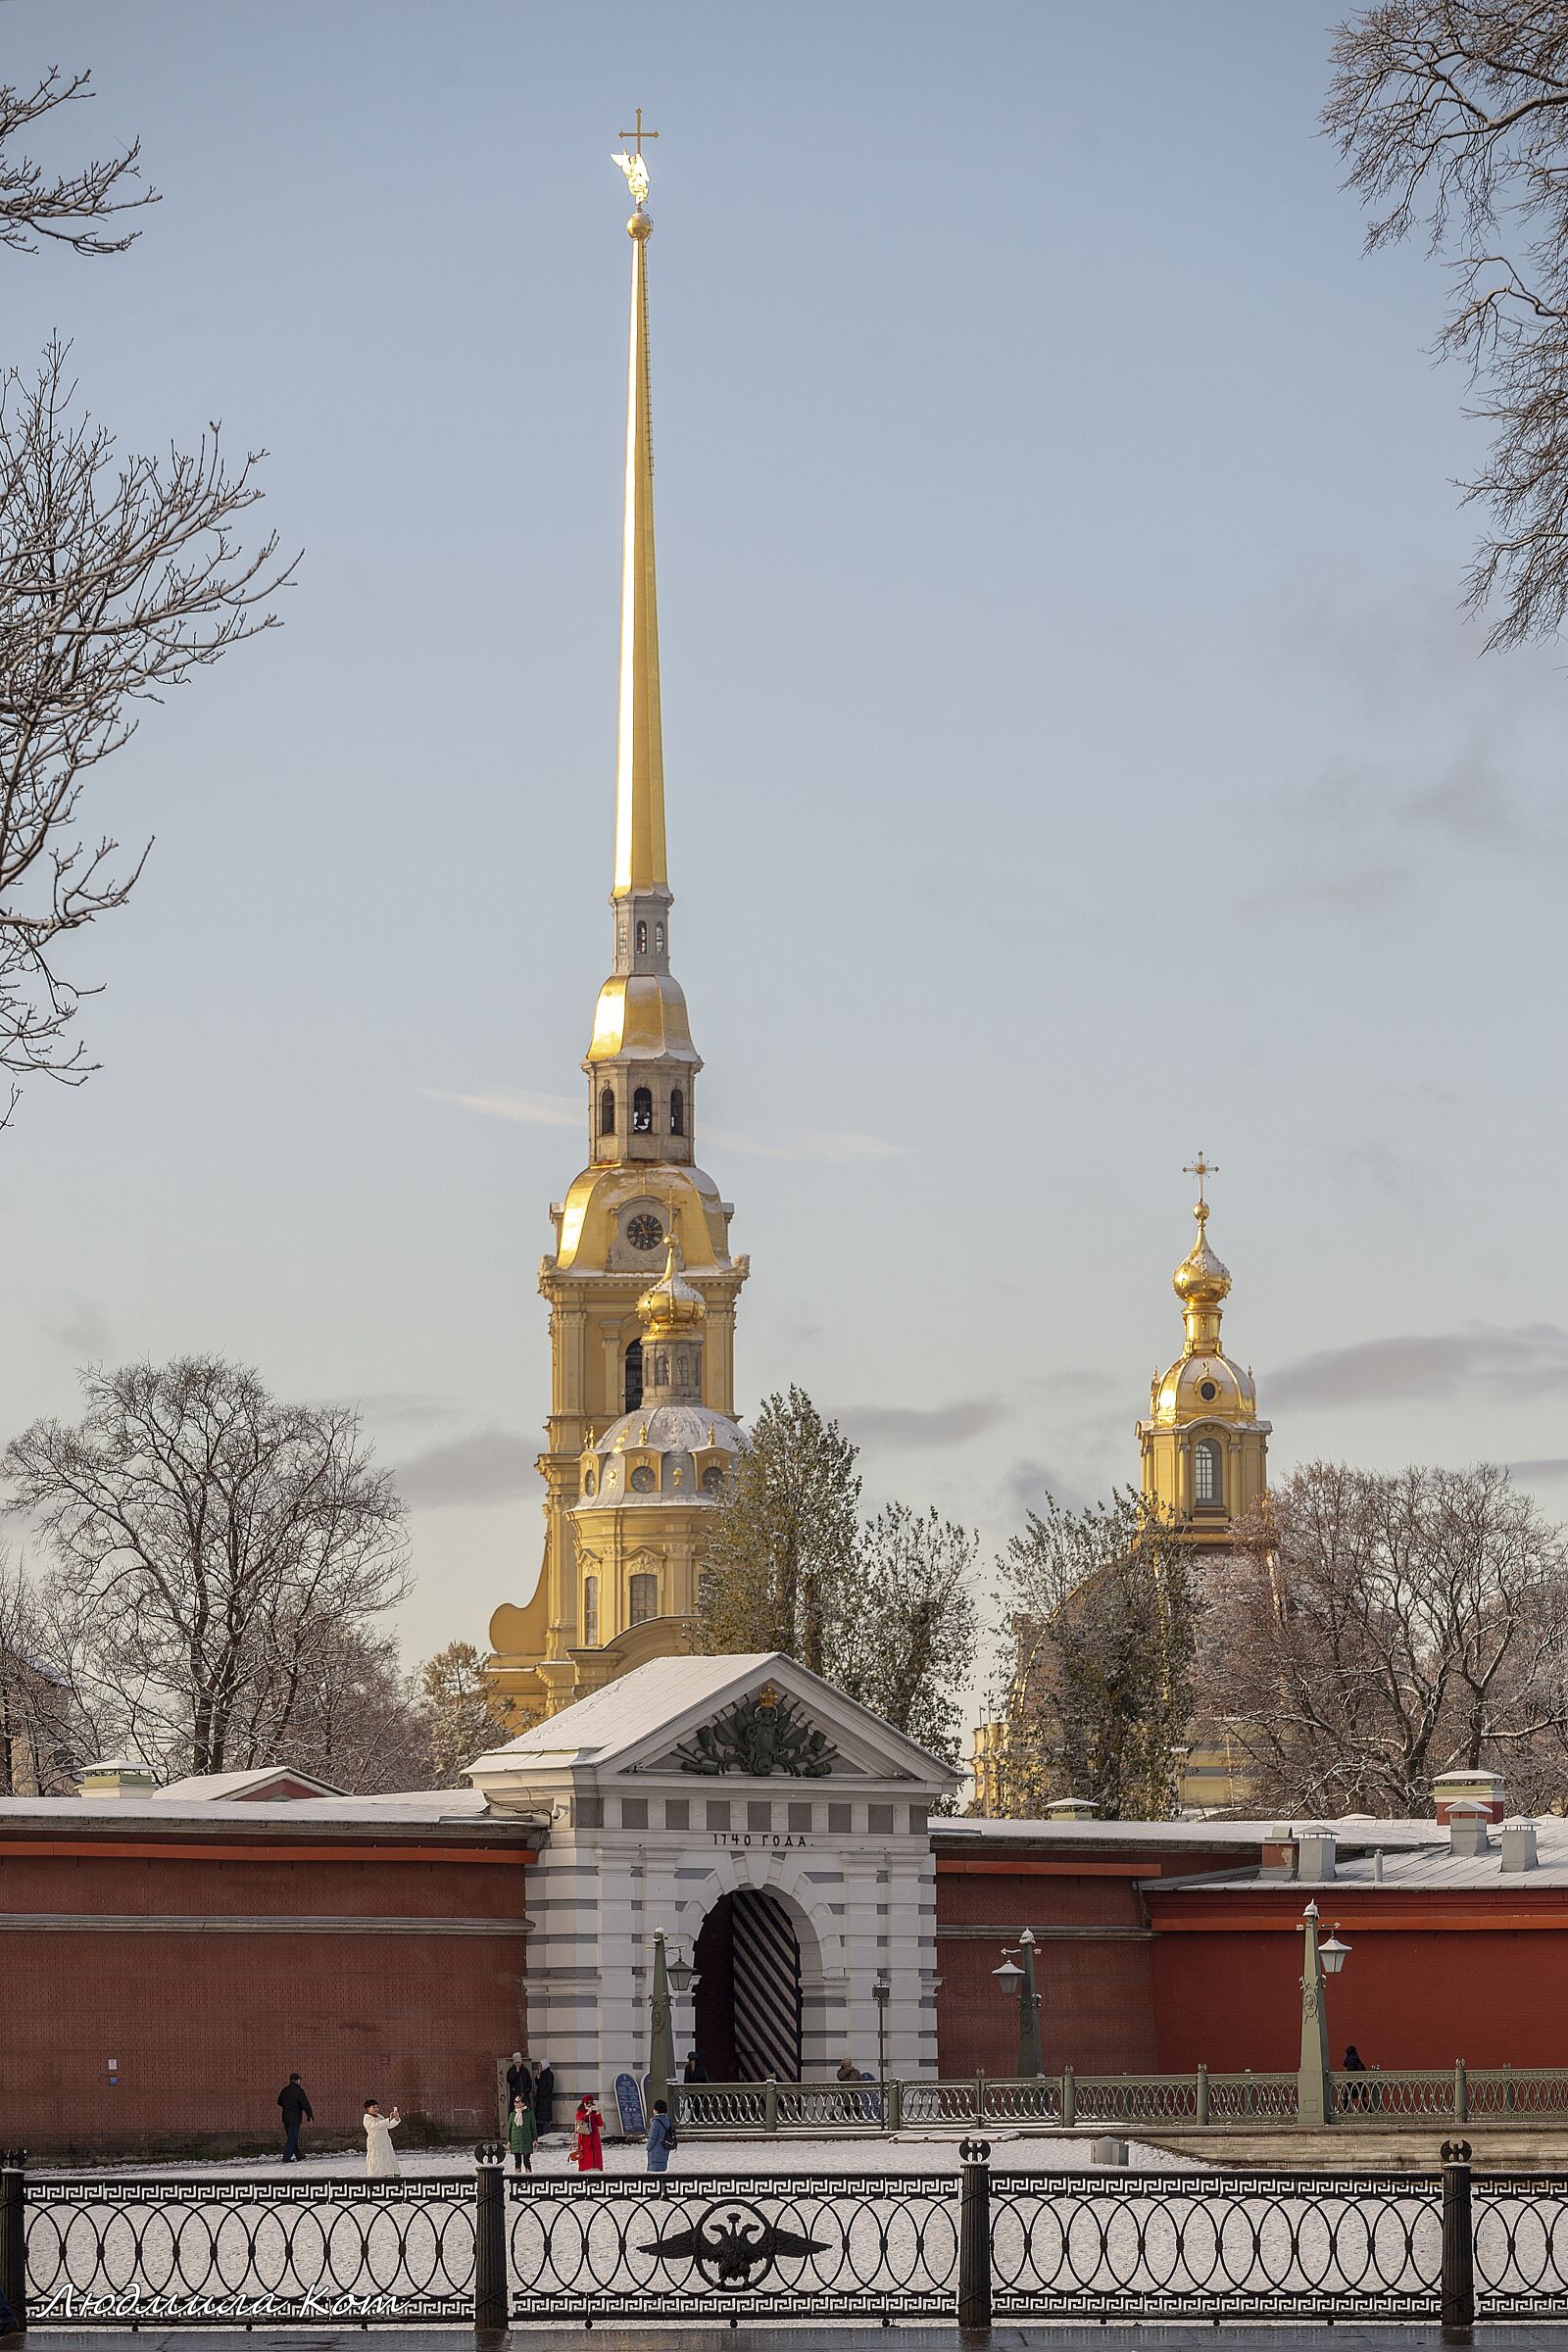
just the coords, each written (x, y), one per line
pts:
(645, 1232)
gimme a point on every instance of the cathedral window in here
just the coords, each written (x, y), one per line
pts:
(634, 1377)
(642, 1111)
(606, 1112)
(642, 939)
(1206, 1482)
(590, 1612)
(713, 1480)
(643, 1598)
(677, 1111)
(658, 938)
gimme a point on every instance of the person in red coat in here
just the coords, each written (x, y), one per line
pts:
(588, 2147)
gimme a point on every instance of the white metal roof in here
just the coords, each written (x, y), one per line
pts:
(637, 1705)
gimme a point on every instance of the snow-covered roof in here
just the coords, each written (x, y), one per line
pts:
(1360, 1830)
(455, 1807)
(214, 1784)
(1428, 1865)
(638, 1705)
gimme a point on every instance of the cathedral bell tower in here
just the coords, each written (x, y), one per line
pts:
(1204, 1449)
(641, 1200)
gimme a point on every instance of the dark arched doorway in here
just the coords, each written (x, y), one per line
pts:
(748, 2001)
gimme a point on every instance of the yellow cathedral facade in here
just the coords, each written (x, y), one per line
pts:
(641, 1285)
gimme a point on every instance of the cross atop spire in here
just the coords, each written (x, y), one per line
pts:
(1201, 1168)
(639, 134)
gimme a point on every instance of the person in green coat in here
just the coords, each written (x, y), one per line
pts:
(521, 2132)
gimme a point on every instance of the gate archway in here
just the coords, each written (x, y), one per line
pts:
(748, 1999)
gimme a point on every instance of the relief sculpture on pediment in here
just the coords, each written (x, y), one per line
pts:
(759, 1735)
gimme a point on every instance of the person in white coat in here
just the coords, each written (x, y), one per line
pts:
(380, 2156)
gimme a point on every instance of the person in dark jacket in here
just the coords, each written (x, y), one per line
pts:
(519, 2077)
(296, 2110)
(694, 2070)
(661, 2137)
(544, 2096)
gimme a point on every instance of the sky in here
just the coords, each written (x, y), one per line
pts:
(1076, 751)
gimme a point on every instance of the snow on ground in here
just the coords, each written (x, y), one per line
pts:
(898, 2152)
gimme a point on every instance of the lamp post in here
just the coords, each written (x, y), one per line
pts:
(668, 1975)
(1314, 2094)
(1021, 1981)
(882, 1993)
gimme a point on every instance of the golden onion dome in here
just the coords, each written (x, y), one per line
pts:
(671, 1305)
(1201, 1279)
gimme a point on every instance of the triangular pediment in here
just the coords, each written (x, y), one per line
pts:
(716, 1721)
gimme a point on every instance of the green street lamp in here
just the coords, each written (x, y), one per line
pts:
(678, 1975)
(1021, 1981)
(1314, 2093)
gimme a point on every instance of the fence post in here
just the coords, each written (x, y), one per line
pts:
(13, 2233)
(770, 2104)
(974, 2235)
(1461, 2093)
(895, 2114)
(1202, 2095)
(1069, 2099)
(980, 2095)
(1458, 2251)
(490, 2239)
(1249, 2094)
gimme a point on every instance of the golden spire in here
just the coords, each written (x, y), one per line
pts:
(640, 762)
(1200, 1282)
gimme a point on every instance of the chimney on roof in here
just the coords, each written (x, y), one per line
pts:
(1518, 1844)
(1315, 1850)
(1483, 1789)
(1279, 1851)
(116, 1776)
(1468, 1820)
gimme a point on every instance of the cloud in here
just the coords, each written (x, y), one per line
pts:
(1028, 1485)
(1508, 1364)
(534, 1109)
(1539, 1474)
(899, 1425)
(491, 1466)
(74, 1323)
(404, 1404)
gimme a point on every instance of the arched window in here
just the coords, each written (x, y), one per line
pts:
(677, 1111)
(658, 938)
(643, 1598)
(642, 939)
(642, 1111)
(590, 1612)
(634, 1377)
(606, 1112)
(1207, 1484)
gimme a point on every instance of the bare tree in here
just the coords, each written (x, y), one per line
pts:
(40, 1732)
(64, 209)
(209, 1547)
(1453, 116)
(1099, 1687)
(120, 574)
(1372, 1631)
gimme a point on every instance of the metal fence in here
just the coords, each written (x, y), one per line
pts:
(1392, 2099)
(482, 2252)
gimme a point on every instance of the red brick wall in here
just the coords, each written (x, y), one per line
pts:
(206, 2027)
(1096, 2007)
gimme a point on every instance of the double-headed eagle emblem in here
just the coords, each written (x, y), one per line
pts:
(733, 2246)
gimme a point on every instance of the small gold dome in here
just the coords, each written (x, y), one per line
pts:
(671, 1305)
(1201, 1279)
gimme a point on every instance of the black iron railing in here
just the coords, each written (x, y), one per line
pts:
(1101, 2245)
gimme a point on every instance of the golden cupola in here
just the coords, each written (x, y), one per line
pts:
(1204, 1451)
